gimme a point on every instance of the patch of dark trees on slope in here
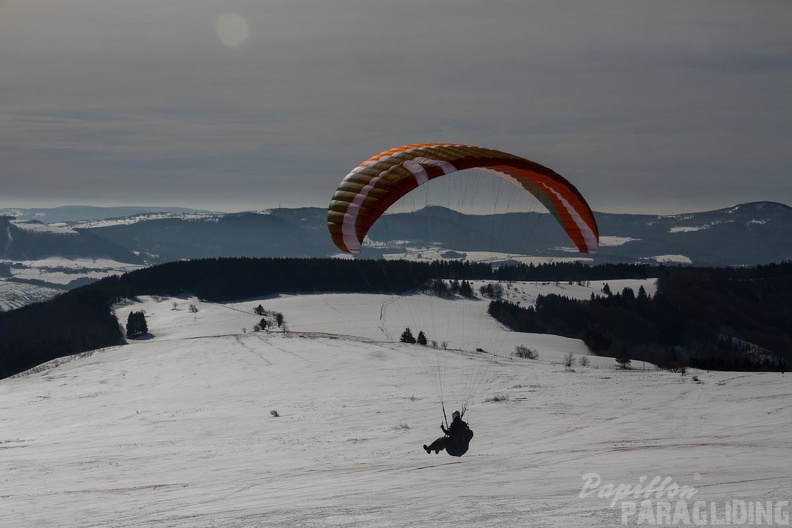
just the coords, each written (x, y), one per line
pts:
(708, 318)
(82, 319)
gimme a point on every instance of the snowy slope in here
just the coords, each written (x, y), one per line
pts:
(18, 294)
(51, 276)
(38, 227)
(177, 430)
(63, 270)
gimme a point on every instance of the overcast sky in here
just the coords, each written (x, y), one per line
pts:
(657, 107)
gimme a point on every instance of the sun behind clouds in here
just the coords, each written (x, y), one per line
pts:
(233, 30)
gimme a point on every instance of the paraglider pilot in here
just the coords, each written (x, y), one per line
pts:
(456, 440)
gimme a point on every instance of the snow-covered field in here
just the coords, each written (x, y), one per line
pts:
(18, 294)
(60, 270)
(434, 253)
(146, 217)
(39, 227)
(180, 430)
(54, 273)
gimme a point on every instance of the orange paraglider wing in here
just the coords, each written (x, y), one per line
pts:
(376, 184)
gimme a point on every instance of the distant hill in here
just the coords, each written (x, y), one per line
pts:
(743, 235)
(79, 213)
(33, 240)
(285, 233)
(746, 234)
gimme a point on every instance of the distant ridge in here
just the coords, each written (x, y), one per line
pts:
(79, 213)
(33, 240)
(741, 235)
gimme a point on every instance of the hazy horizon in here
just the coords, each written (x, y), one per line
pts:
(466, 210)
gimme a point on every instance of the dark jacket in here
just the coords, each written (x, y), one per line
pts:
(459, 429)
(459, 435)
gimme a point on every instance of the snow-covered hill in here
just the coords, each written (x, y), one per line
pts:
(31, 281)
(80, 213)
(180, 429)
(18, 294)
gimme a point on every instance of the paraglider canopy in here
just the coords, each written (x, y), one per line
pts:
(376, 184)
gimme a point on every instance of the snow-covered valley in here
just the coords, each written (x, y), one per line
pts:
(180, 429)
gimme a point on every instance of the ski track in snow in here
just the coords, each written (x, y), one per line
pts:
(178, 430)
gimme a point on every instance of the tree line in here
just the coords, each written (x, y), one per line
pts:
(82, 319)
(710, 318)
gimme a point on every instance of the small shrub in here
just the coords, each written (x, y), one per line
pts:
(680, 367)
(569, 360)
(623, 359)
(275, 414)
(584, 361)
(493, 291)
(498, 398)
(193, 308)
(522, 351)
